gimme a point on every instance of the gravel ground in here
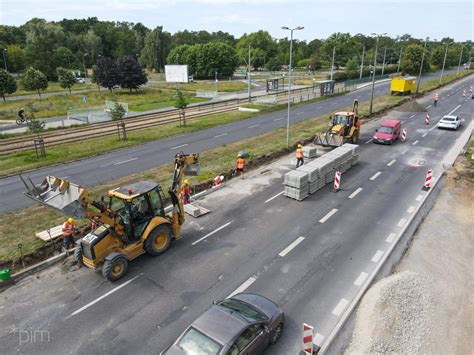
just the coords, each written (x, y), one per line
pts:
(426, 306)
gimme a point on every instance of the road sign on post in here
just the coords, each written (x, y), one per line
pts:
(176, 73)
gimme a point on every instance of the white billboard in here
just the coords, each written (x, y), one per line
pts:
(176, 73)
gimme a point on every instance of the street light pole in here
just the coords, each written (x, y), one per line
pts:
(362, 63)
(84, 64)
(5, 59)
(460, 58)
(332, 62)
(444, 62)
(375, 67)
(248, 78)
(418, 81)
(289, 81)
(399, 59)
(215, 79)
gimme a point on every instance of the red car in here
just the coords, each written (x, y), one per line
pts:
(388, 132)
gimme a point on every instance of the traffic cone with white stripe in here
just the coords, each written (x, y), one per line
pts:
(427, 119)
(429, 177)
(337, 182)
(307, 339)
(404, 135)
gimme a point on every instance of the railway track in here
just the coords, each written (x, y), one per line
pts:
(67, 135)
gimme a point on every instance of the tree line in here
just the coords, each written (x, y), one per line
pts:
(89, 43)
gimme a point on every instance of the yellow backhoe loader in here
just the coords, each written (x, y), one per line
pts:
(343, 127)
(132, 218)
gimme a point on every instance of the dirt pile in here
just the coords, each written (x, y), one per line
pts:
(411, 106)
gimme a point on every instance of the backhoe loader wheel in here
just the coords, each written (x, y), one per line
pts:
(115, 268)
(158, 241)
(78, 256)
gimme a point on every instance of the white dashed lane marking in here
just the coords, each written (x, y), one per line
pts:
(377, 256)
(375, 176)
(354, 194)
(291, 246)
(360, 280)
(340, 307)
(329, 215)
(390, 238)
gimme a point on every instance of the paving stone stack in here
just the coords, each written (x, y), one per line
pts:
(310, 151)
(312, 176)
(296, 185)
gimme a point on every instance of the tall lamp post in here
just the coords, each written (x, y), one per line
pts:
(362, 63)
(84, 63)
(460, 59)
(289, 81)
(418, 81)
(375, 67)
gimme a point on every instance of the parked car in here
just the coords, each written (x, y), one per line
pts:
(388, 132)
(243, 324)
(81, 80)
(449, 122)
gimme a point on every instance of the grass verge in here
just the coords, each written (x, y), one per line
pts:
(22, 161)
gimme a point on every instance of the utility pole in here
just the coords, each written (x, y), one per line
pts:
(215, 79)
(399, 59)
(421, 67)
(84, 64)
(460, 58)
(444, 62)
(383, 64)
(289, 81)
(375, 67)
(332, 62)
(362, 63)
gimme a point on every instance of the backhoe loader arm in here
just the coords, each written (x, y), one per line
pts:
(184, 164)
(355, 107)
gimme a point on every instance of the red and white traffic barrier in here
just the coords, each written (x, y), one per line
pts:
(337, 181)
(218, 180)
(464, 93)
(307, 339)
(404, 135)
(427, 118)
(429, 177)
(470, 88)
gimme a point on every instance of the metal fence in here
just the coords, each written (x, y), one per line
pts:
(352, 84)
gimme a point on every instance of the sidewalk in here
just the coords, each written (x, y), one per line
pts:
(426, 305)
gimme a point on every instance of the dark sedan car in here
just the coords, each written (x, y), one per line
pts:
(243, 324)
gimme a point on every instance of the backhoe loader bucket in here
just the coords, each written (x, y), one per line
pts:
(329, 140)
(62, 195)
(192, 169)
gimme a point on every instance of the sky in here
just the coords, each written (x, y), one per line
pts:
(420, 18)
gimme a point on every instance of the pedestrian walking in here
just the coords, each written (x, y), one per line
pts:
(299, 156)
(436, 99)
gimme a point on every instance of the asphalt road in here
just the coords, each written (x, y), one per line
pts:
(244, 241)
(95, 170)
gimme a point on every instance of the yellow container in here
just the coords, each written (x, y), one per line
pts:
(402, 85)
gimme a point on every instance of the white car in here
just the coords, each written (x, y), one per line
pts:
(81, 80)
(449, 122)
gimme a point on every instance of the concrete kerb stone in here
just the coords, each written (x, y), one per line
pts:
(341, 334)
(458, 148)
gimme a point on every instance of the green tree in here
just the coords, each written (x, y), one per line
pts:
(411, 61)
(437, 56)
(7, 84)
(63, 57)
(351, 66)
(181, 104)
(117, 112)
(16, 58)
(35, 80)
(345, 46)
(156, 49)
(314, 63)
(67, 79)
(262, 48)
(274, 64)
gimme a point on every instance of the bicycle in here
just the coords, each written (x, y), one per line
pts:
(22, 118)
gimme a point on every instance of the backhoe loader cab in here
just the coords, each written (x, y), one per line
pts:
(132, 218)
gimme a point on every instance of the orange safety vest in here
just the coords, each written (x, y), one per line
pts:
(240, 163)
(186, 190)
(299, 153)
(67, 229)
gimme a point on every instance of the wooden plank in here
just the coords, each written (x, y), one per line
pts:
(56, 232)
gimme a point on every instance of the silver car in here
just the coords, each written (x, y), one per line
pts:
(449, 122)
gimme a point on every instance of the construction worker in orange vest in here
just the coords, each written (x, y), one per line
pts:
(186, 192)
(299, 156)
(240, 165)
(436, 99)
(69, 229)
